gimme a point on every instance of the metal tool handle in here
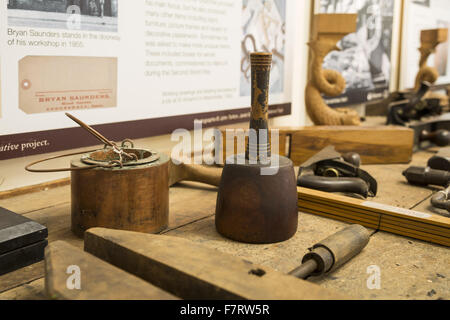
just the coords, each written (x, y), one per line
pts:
(440, 200)
(261, 63)
(106, 166)
(427, 176)
(417, 97)
(333, 252)
(440, 162)
(326, 184)
(352, 158)
(440, 138)
(91, 130)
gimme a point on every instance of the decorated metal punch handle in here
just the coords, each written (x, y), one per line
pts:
(258, 147)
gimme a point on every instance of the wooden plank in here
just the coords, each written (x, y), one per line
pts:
(25, 275)
(381, 225)
(191, 271)
(428, 227)
(374, 217)
(364, 205)
(34, 201)
(414, 235)
(98, 280)
(29, 291)
(376, 145)
(35, 188)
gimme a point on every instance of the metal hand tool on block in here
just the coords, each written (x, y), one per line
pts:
(330, 171)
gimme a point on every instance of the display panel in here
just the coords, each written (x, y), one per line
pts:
(133, 68)
(418, 16)
(366, 56)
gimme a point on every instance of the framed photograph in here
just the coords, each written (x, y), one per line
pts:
(418, 16)
(90, 15)
(368, 58)
(263, 29)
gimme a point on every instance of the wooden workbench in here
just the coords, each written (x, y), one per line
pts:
(410, 269)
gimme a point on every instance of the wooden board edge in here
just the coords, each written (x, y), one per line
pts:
(34, 188)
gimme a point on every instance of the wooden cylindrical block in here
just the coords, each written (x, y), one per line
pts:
(134, 198)
(256, 208)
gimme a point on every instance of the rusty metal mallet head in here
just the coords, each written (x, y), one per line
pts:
(256, 204)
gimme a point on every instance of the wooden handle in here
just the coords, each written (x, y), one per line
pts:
(198, 173)
(204, 174)
(261, 63)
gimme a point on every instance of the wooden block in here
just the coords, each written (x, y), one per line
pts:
(334, 24)
(98, 279)
(375, 145)
(191, 271)
(434, 35)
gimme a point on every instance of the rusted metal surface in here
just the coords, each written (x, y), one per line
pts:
(120, 152)
(100, 157)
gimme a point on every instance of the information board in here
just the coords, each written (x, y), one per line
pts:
(133, 68)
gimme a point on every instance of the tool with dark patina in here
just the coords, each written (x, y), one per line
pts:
(331, 253)
(437, 173)
(330, 171)
(406, 108)
(421, 115)
(22, 241)
(117, 187)
(257, 201)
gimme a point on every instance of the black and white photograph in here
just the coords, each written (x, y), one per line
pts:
(90, 15)
(263, 29)
(441, 55)
(365, 56)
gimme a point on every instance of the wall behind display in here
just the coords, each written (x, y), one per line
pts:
(129, 22)
(368, 58)
(167, 64)
(418, 16)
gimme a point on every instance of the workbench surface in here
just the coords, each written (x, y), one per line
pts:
(410, 269)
